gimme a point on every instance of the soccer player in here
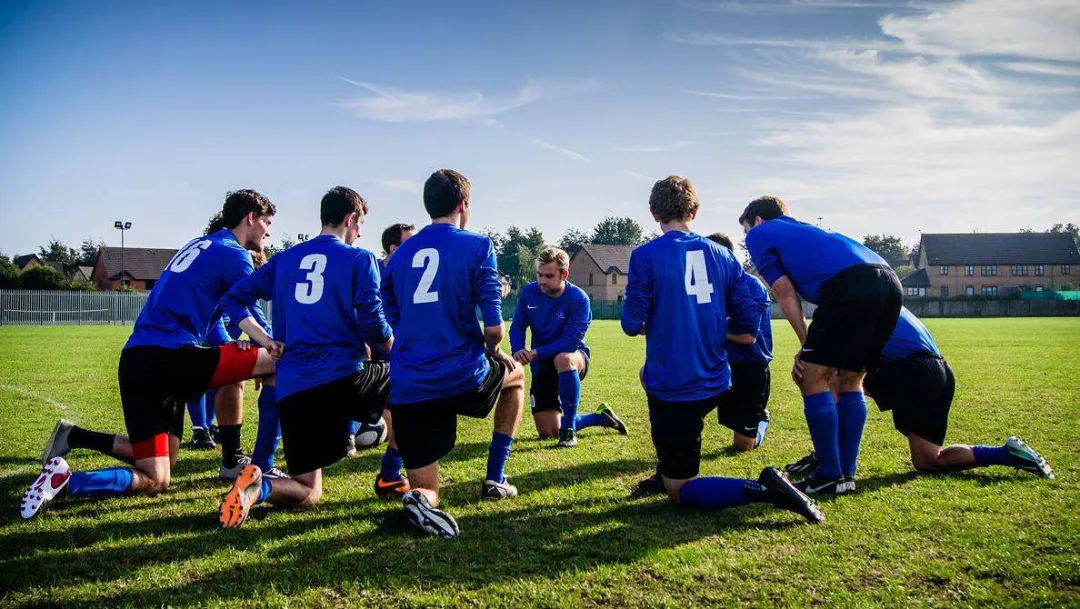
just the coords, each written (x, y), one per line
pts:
(559, 314)
(442, 364)
(326, 297)
(915, 382)
(858, 297)
(681, 289)
(163, 364)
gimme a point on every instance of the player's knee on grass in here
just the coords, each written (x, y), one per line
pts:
(547, 423)
(924, 454)
(744, 443)
(673, 488)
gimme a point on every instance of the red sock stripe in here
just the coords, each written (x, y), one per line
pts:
(235, 365)
(158, 446)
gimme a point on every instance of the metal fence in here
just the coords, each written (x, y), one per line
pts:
(39, 307)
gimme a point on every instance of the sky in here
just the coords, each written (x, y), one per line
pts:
(868, 117)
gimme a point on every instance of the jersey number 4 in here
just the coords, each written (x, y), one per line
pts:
(310, 289)
(427, 259)
(697, 277)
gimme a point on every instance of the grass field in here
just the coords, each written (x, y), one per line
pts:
(575, 537)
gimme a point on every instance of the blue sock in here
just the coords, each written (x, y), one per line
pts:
(101, 483)
(197, 412)
(851, 413)
(570, 397)
(762, 427)
(354, 426)
(714, 493)
(211, 397)
(264, 491)
(266, 440)
(391, 464)
(498, 455)
(992, 455)
(821, 418)
(588, 420)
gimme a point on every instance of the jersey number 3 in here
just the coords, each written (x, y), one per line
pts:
(428, 259)
(697, 277)
(310, 289)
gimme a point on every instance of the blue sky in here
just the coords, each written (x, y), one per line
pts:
(893, 117)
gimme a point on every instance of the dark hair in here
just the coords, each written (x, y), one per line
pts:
(767, 208)
(217, 222)
(339, 202)
(240, 203)
(444, 191)
(723, 240)
(673, 198)
(392, 235)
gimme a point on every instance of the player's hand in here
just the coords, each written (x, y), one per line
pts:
(505, 358)
(276, 349)
(742, 339)
(524, 356)
(797, 368)
(243, 345)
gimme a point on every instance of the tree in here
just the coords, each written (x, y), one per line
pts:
(1070, 228)
(617, 231)
(271, 250)
(515, 263)
(889, 247)
(58, 251)
(79, 284)
(9, 274)
(42, 278)
(572, 241)
(88, 252)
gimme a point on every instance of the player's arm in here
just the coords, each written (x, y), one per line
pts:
(517, 331)
(772, 271)
(487, 294)
(389, 300)
(638, 304)
(790, 305)
(368, 303)
(237, 302)
(577, 324)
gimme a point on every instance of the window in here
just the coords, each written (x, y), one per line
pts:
(989, 270)
(917, 292)
(1019, 269)
(1065, 269)
(944, 291)
(590, 279)
(150, 284)
(944, 269)
(969, 270)
(969, 290)
(1039, 270)
(614, 279)
(989, 290)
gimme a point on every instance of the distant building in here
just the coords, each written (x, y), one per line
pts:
(86, 273)
(141, 267)
(992, 264)
(29, 261)
(602, 270)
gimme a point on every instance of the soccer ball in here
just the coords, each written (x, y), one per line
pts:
(371, 434)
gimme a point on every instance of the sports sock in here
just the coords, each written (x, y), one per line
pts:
(208, 404)
(392, 464)
(230, 444)
(354, 426)
(992, 455)
(498, 455)
(714, 493)
(101, 483)
(762, 427)
(266, 439)
(264, 490)
(821, 418)
(93, 440)
(197, 412)
(589, 420)
(570, 397)
(851, 413)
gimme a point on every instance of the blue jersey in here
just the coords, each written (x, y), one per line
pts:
(558, 324)
(378, 354)
(681, 290)
(433, 285)
(761, 351)
(909, 337)
(181, 309)
(327, 295)
(804, 253)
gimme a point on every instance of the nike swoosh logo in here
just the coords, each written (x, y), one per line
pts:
(530, 308)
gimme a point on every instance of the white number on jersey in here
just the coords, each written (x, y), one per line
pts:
(428, 258)
(185, 258)
(309, 290)
(697, 278)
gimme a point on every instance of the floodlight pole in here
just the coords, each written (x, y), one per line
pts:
(123, 226)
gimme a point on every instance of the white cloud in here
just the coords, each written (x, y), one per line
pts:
(1041, 69)
(384, 103)
(672, 147)
(743, 96)
(405, 185)
(762, 7)
(570, 154)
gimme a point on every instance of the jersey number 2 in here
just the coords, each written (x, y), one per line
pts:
(309, 290)
(697, 277)
(428, 259)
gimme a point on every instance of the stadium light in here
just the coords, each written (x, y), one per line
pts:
(123, 226)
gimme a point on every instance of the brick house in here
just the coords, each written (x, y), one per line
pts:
(601, 270)
(141, 267)
(992, 264)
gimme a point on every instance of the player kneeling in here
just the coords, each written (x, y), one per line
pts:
(559, 314)
(915, 382)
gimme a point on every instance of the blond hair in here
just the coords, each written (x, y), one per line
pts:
(556, 255)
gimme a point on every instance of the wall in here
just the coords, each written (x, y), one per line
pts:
(956, 281)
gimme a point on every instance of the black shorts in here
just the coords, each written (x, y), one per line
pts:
(676, 434)
(919, 392)
(544, 390)
(745, 405)
(858, 310)
(427, 431)
(157, 382)
(315, 422)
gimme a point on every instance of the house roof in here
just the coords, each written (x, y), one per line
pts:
(610, 257)
(1000, 248)
(86, 271)
(140, 263)
(21, 261)
(918, 279)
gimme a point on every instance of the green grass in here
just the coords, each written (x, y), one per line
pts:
(575, 537)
